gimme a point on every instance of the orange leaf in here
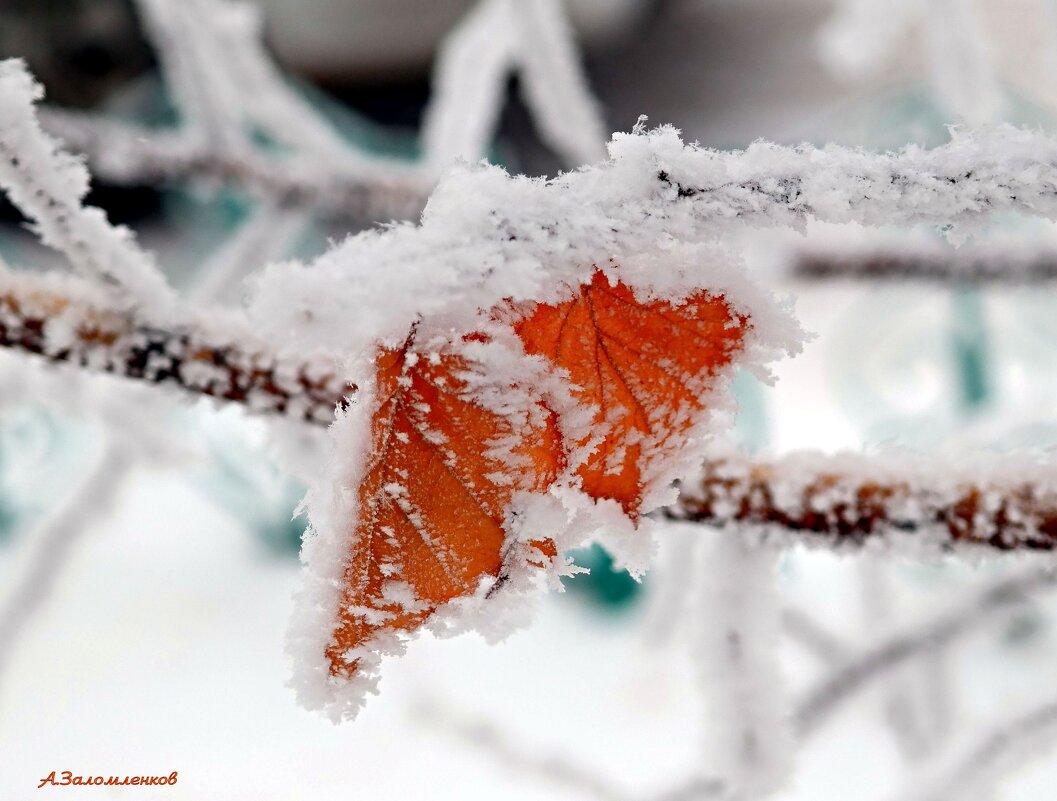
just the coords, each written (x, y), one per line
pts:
(645, 366)
(435, 495)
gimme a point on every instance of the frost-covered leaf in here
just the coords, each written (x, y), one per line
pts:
(646, 367)
(470, 464)
(435, 498)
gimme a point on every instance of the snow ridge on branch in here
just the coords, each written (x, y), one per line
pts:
(486, 235)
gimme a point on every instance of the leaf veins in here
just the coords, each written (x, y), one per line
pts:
(645, 366)
(435, 495)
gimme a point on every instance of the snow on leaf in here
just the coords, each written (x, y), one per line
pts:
(646, 367)
(470, 465)
(432, 518)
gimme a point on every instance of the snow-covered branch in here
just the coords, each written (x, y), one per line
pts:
(1009, 503)
(125, 153)
(491, 740)
(974, 175)
(47, 185)
(837, 500)
(72, 322)
(227, 88)
(229, 93)
(533, 38)
(561, 772)
(741, 680)
(803, 629)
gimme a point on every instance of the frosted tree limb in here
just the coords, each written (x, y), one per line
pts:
(902, 710)
(1012, 504)
(654, 196)
(863, 35)
(961, 64)
(213, 58)
(213, 61)
(47, 185)
(68, 322)
(831, 500)
(184, 42)
(938, 633)
(129, 154)
(231, 34)
(741, 682)
(129, 442)
(469, 84)
(980, 767)
(827, 500)
(974, 175)
(259, 239)
(668, 600)
(554, 84)
(51, 543)
(533, 38)
(229, 91)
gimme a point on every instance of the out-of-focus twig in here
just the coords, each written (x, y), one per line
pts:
(981, 766)
(741, 683)
(903, 710)
(804, 629)
(491, 740)
(971, 265)
(935, 634)
(129, 154)
(52, 542)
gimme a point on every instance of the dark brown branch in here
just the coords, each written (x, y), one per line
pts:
(44, 317)
(853, 500)
(829, 500)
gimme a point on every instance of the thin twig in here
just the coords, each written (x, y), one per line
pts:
(978, 265)
(980, 767)
(937, 633)
(91, 501)
(902, 707)
(741, 683)
(800, 626)
(488, 738)
(48, 186)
